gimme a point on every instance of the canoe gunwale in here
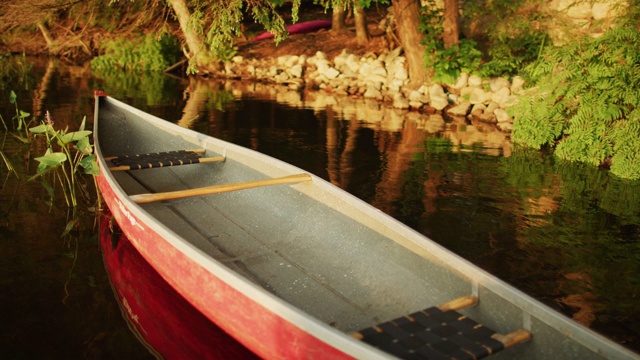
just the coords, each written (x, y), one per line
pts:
(360, 210)
(277, 306)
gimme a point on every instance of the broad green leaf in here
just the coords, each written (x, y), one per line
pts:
(52, 159)
(74, 136)
(90, 166)
(13, 97)
(84, 146)
(43, 128)
(23, 114)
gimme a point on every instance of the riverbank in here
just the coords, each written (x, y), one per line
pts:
(334, 64)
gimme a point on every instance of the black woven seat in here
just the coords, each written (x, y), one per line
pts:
(438, 333)
(159, 159)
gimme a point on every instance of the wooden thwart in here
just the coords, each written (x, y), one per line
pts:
(217, 189)
(440, 332)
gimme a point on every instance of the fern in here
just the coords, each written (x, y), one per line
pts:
(583, 104)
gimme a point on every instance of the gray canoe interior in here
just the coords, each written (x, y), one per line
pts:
(310, 255)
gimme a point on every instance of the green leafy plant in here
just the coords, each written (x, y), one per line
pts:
(67, 154)
(586, 101)
(447, 63)
(149, 53)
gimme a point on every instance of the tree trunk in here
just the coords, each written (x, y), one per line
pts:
(362, 31)
(51, 45)
(198, 55)
(451, 23)
(338, 15)
(407, 16)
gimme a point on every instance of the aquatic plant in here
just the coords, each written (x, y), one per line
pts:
(67, 154)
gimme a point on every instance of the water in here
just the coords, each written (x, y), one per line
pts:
(567, 234)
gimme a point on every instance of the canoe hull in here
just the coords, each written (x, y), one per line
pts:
(257, 328)
(144, 297)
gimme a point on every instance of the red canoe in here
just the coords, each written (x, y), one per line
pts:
(294, 267)
(299, 28)
(162, 319)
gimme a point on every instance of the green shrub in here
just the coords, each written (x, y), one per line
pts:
(149, 53)
(447, 63)
(586, 102)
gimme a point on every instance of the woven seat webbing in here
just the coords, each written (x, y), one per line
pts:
(432, 334)
(159, 159)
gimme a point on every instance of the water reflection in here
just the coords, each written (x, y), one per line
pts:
(162, 319)
(567, 234)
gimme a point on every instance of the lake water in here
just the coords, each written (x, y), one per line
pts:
(567, 234)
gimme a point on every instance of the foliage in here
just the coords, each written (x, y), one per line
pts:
(220, 27)
(509, 53)
(14, 69)
(586, 101)
(447, 63)
(149, 53)
(67, 154)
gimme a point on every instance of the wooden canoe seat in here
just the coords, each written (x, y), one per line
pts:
(439, 332)
(159, 159)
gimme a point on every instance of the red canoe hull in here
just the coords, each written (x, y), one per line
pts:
(256, 327)
(299, 28)
(162, 318)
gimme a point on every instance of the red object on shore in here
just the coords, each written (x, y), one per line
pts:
(299, 28)
(162, 319)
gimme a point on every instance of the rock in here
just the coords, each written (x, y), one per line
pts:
(373, 93)
(296, 71)
(282, 77)
(474, 80)
(460, 109)
(491, 107)
(353, 63)
(478, 109)
(487, 117)
(320, 55)
(579, 10)
(502, 116)
(437, 96)
(237, 59)
(400, 102)
(417, 96)
(462, 81)
(501, 96)
(401, 73)
(478, 95)
(505, 127)
(517, 84)
(498, 84)
(331, 73)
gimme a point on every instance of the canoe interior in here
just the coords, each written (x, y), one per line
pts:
(306, 244)
(305, 252)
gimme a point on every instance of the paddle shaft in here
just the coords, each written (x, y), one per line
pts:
(217, 189)
(200, 160)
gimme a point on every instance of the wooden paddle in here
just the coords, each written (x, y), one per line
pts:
(217, 189)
